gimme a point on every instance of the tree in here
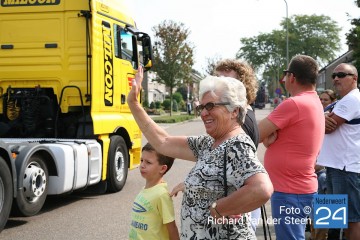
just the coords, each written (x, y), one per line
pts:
(177, 96)
(211, 64)
(173, 55)
(316, 36)
(353, 39)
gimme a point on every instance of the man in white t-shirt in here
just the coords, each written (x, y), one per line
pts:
(340, 152)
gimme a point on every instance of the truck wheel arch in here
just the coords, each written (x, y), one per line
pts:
(11, 165)
(6, 190)
(118, 164)
(41, 157)
(125, 135)
(26, 154)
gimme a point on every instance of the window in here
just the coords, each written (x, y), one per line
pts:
(124, 45)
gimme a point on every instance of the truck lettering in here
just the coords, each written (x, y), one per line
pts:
(108, 64)
(15, 3)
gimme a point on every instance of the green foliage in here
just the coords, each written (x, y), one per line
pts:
(353, 39)
(183, 91)
(145, 104)
(173, 119)
(178, 97)
(152, 105)
(166, 104)
(268, 48)
(316, 36)
(175, 106)
(173, 54)
(158, 105)
(182, 106)
(155, 111)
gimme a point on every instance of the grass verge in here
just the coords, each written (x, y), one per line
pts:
(173, 119)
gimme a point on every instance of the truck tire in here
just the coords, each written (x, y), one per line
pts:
(30, 199)
(118, 163)
(6, 193)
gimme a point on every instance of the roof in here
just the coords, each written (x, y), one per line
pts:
(347, 56)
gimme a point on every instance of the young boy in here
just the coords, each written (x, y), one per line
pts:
(153, 211)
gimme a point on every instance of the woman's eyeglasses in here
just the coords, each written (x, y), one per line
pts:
(341, 75)
(209, 106)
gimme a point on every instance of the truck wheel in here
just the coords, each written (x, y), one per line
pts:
(31, 197)
(6, 193)
(118, 163)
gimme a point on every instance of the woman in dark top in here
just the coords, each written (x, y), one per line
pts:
(242, 71)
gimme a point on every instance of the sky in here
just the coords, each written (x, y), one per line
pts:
(217, 26)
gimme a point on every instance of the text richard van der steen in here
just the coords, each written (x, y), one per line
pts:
(328, 211)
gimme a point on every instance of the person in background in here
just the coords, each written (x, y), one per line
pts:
(276, 101)
(153, 210)
(293, 134)
(188, 106)
(340, 152)
(195, 104)
(327, 97)
(244, 72)
(225, 159)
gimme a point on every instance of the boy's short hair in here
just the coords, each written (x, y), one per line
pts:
(163, 160)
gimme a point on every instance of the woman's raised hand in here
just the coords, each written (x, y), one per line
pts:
(136, 86)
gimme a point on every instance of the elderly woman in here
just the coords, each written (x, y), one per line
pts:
(208, 204)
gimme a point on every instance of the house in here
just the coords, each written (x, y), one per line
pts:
(196, 77)
(156, 92)
(324, 80)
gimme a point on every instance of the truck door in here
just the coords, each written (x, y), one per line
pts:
(126, 59)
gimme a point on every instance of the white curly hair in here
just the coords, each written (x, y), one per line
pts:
(228, 90)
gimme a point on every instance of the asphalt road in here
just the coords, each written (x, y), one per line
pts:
(107, 216)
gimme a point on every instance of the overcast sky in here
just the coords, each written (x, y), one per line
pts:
(217, 26)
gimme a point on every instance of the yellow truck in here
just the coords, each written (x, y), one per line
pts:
(66, 68)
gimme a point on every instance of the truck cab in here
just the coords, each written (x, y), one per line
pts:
(65, 71)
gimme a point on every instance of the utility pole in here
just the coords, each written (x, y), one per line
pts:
(287, 35)
(287, 40)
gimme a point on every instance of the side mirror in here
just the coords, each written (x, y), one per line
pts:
(147, 52)
(146, 56)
